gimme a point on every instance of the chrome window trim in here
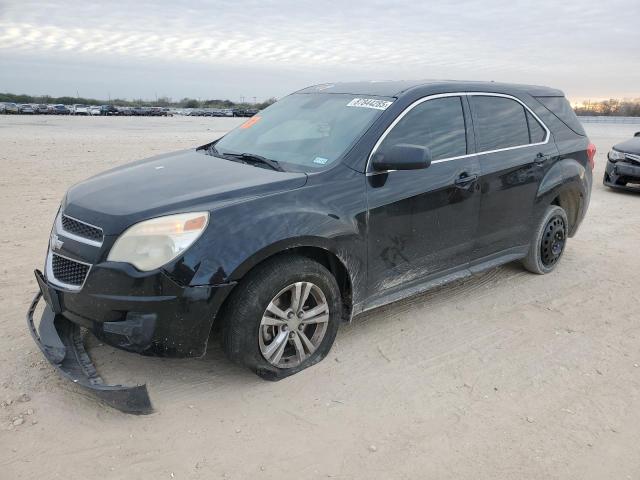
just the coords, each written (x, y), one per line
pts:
(51, 278)
(60, 229)
(456, 94)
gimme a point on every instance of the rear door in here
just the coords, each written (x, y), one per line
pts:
(422, 222)
(514, 150)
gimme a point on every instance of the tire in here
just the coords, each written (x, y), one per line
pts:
(248, 336)
(546, 247)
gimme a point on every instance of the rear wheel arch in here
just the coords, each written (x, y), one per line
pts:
(563, 186)
(571, 201)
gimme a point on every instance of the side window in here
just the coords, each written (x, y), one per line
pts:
(499, 122)
(536, 132)
(437, 124)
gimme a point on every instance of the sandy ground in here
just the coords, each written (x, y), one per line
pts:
(505, 375)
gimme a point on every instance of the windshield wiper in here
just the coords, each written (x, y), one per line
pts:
(213, 151)
(252, 158)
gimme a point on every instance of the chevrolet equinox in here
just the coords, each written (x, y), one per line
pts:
(335, 200)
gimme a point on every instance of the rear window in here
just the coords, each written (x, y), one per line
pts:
(560, 107)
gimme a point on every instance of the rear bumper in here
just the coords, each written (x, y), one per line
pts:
(61, 343)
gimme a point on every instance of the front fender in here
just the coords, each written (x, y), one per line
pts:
(327, 214)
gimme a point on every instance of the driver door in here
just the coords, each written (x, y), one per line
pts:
(422, 223)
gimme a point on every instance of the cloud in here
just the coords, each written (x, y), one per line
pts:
(514, 41)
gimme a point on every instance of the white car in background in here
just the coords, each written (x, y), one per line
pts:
(79, 109)
(93, 110)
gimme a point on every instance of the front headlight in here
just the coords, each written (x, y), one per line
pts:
(150, 244)
(615, 155)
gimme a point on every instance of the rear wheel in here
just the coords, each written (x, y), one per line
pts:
(548, 242)
(283, 317)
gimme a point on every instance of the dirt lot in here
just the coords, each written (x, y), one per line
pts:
(506, 375)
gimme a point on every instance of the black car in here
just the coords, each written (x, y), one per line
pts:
(335, 200)
(623, 165)
(107, 110)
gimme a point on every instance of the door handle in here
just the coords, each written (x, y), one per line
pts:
(463, 180)
(541, 158)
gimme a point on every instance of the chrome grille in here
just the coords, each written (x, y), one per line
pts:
(81, 229)
(68, 271)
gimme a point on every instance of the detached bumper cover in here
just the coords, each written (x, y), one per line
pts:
(62, 345)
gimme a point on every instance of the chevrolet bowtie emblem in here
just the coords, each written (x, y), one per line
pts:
(55, 243)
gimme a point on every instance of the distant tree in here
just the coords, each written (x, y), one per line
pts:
(189, 103)
(163, 102)
(611, 107)
(623, 108)
(266, 103)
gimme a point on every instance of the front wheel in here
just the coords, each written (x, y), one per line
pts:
(283, 317)
(548, 242)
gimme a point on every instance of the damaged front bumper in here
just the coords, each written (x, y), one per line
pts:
(62, 344)
(622, 175)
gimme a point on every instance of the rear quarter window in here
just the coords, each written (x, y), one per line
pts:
(560, 107)
(536, 131)
(499, 122)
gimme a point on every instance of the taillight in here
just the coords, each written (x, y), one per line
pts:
(591, 155)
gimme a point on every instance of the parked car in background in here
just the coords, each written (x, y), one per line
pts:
(11, 108)
(108, 110)
(363, 194)
(25, 108)
(41, 108)
(138, 111)
(79, 109)
(94, 110)
(156, 111)
(244, 112)
(623, 165)
(58, 109)
(124, 111)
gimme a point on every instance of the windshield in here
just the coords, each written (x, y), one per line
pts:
(305, 131)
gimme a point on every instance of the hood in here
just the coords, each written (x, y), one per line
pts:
(177, 182)
(629, 146)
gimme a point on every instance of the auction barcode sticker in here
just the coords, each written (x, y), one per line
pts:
(369, 103)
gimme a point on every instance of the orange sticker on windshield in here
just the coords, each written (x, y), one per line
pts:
(251, 122)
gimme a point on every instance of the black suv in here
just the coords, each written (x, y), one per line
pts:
(337, 199)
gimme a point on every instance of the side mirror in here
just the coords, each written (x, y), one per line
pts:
(637, 134)
(402, 157)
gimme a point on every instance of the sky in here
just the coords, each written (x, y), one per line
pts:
(246, 49)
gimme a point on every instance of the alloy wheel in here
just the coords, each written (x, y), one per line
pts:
(293, 325)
